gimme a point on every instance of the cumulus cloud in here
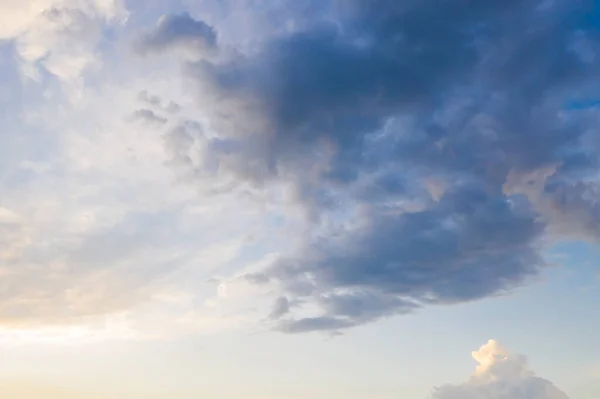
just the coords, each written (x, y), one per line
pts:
(500, 375)
(397, 128)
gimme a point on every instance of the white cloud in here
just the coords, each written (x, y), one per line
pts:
(500, 374)
(99, 241)
(58, 35)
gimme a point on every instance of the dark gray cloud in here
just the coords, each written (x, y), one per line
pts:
(399, 123)
(469, 246)
(178, 32)
(349, 309)
(323, 323)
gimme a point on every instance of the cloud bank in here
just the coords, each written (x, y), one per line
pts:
(363, 159)
(500, 375)
(430, 146)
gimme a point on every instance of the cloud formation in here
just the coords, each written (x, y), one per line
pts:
(178, 32)
(148, 116)
(408, 153)
(397, 127)
(59, 37)
(96, 240)
(500, 375)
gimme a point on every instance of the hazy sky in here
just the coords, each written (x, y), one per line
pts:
(292, 199)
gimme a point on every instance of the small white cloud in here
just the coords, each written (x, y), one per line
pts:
(500, 375)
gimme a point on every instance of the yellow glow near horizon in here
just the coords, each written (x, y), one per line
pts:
(111, 328)
(34, 390)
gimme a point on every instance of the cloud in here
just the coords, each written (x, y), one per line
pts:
(60, 37)
(149, 117)
(392, 155)
(148, 98)
(97, 239)
(282, 307)
(469, 246)
(500, 374)
(156, 102)
(180, 32)
(394, 127)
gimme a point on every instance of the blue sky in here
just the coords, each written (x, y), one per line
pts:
(253, 199)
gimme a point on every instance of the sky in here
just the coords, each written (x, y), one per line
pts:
(283, 199)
